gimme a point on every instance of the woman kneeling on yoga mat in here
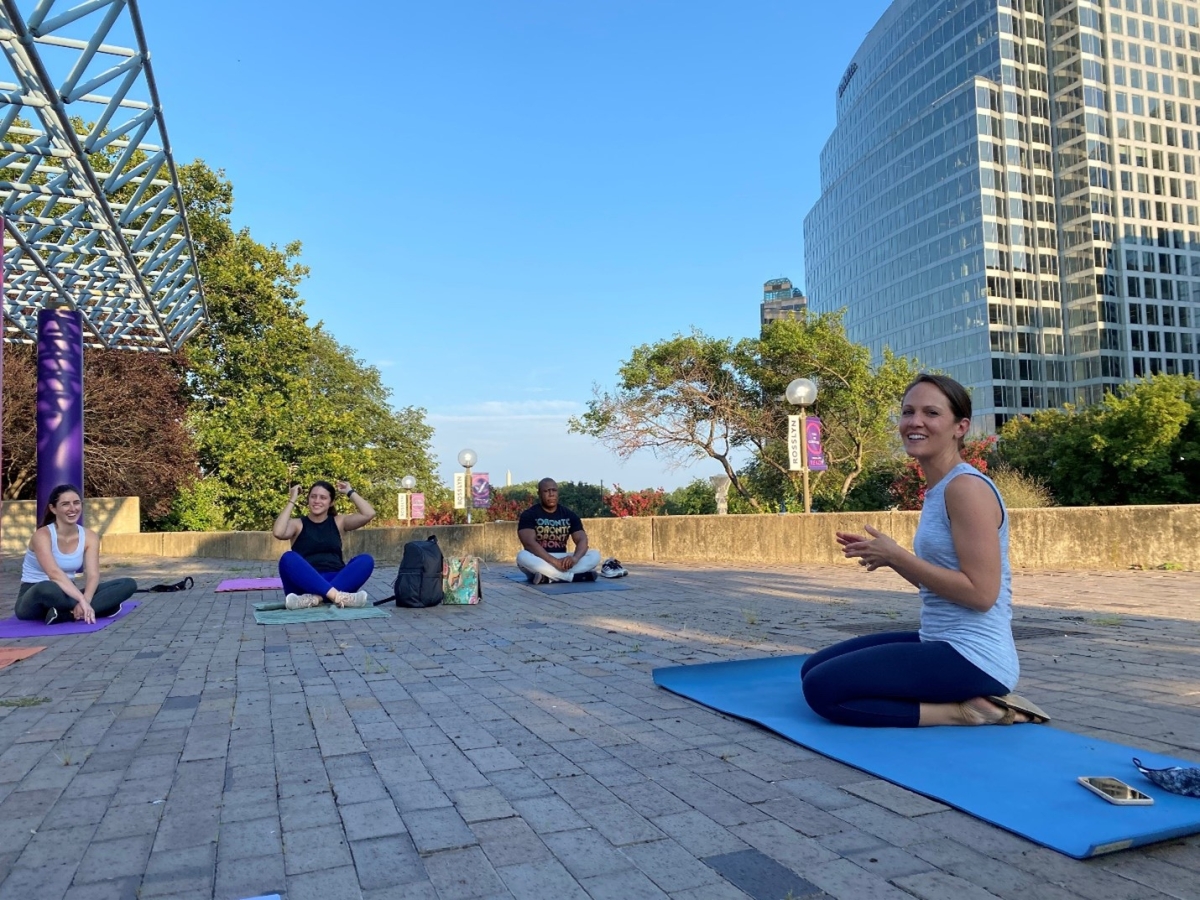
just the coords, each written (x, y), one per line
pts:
(58, 551)
(962, 664)
(313, 570)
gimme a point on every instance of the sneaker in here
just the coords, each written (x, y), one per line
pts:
(109, 615)
(346, 600)
(584, 576)
(51, 616)
(301, 601)
(536, 578)
(612, 568)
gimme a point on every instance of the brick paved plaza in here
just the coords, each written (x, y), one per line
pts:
(520, 748)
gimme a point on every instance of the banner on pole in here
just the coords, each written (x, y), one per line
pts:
(417, 507)
(460, 490)
(816, 453)
(402, 506)
(795, 453)
(481, 490)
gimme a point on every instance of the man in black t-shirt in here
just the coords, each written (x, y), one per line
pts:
(544, 529)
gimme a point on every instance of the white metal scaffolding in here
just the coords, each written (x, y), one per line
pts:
(88, 188)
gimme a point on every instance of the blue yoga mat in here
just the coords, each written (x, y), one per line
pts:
(1021, 778)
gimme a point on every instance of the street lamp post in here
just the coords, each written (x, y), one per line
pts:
(803, 393)
(408, 482)
(466, 459)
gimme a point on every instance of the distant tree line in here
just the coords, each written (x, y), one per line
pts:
(695, 397)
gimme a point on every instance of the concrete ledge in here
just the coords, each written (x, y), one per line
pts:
(1056, 538)
(104, 515)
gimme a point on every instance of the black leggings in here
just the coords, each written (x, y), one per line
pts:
(881, 680)
(35, 600)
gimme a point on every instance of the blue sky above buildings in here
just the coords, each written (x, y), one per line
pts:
(498, 200)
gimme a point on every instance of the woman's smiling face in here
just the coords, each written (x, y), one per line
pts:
(69, 508)
(927, 424)
(319, 500)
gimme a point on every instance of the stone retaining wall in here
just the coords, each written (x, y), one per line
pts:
(1056, 538)
(104, 515)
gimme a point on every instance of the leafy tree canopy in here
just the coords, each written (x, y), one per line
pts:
(1139, 446)
(695, 396)
(276, 399)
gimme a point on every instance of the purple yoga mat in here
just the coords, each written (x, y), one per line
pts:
(250, 584)
(17, 628)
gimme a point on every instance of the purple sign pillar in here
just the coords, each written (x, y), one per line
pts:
(59, 402)
(2, 295)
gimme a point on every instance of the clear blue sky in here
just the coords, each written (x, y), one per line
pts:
(499, 200)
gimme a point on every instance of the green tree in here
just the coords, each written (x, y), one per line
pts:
(587, 500)
(1139, 446)
(684, 398)
(275, 399)
(856, 403)
(697, 498)
(695, 396)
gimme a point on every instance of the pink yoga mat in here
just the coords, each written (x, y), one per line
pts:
(250, 584)
(17, 628)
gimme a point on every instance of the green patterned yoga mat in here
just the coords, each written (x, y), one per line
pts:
(277, 614)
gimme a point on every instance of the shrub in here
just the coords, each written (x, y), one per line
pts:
(909, 487)
(696, 499)
(648, 502)
(1021, 491)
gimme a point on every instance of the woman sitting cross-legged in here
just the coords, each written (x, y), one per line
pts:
(58, 551)
(313, 570)
(959, 668)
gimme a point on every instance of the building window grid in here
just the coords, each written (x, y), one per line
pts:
(1116, 213)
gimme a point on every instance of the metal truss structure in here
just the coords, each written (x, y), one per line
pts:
(88, 189)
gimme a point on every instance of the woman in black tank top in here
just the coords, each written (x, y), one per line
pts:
(314, 571)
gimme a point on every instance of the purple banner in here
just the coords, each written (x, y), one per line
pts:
(816, 453)
(59, 402)
(481, 490)
(416, 506)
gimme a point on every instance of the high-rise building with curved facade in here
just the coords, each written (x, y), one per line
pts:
(1010, 195)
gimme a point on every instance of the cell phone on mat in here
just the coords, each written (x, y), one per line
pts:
(1115, 791)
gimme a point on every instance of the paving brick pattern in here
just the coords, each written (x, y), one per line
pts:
(520, 748)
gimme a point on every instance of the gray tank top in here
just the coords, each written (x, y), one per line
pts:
(984, 639)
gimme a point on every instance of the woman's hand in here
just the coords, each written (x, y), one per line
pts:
(294, 493)
(872, 551)
(83, 612)
(343, 487)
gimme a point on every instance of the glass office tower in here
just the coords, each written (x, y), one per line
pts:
(1010, 195)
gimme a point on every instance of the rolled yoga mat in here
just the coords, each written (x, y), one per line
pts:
(1021, 778)
(249, 584)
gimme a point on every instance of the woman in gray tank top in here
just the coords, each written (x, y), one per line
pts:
(960, 668)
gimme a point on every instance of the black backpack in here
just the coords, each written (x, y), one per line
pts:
(419, 581)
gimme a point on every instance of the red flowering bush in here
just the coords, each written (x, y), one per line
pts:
(908, 490)
(648, 502)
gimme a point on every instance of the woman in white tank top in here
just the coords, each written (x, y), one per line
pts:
(58, 551)
(960, 668)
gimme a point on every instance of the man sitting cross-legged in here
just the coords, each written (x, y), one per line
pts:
(544, 529)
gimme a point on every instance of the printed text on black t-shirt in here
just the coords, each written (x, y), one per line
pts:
(551, 530)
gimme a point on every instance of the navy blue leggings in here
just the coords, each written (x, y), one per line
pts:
(299, 577)
(881, 680)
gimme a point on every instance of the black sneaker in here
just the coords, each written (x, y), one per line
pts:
(51, 616)
(109, 615)
(584, 576)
